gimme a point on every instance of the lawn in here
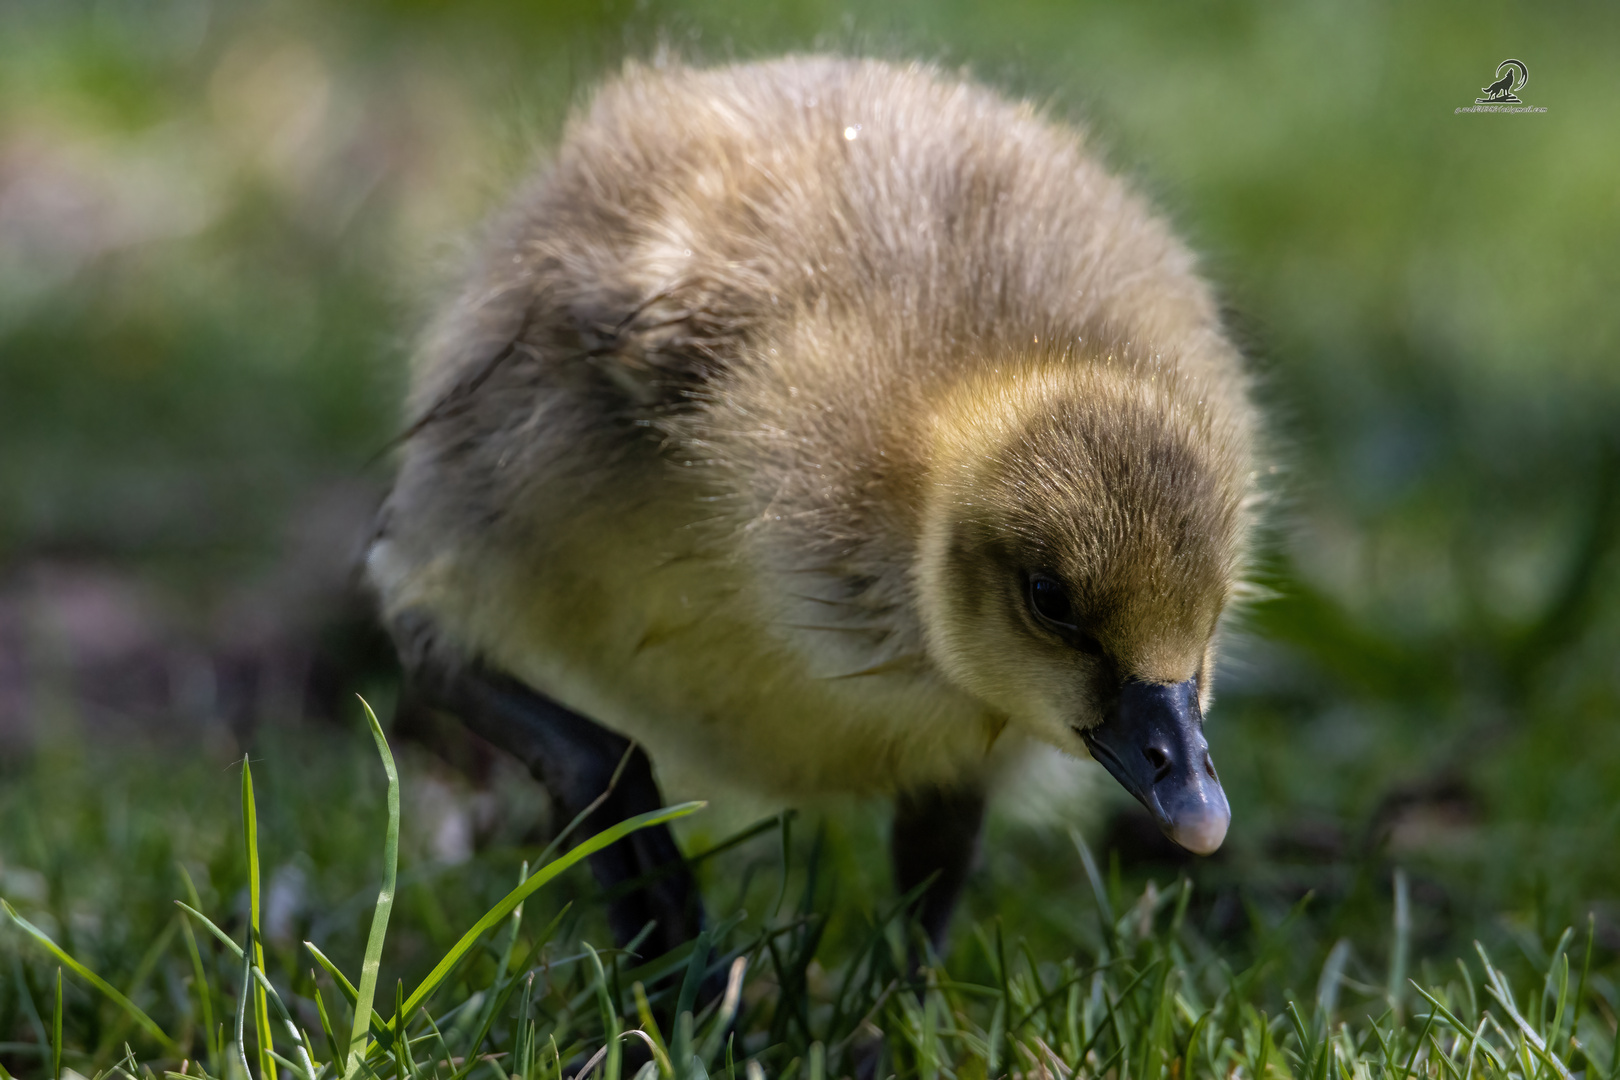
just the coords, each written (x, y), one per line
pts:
(219, 227)
(1255, 962)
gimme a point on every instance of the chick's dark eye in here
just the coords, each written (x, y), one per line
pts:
(1048, 600)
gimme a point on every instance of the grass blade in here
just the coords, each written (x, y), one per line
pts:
(56, 1031)
(385, 902)
(499, 989)
(250, 840)
(146, 1022)
(306, 1051)
(331, 969)
(403, 1059)
(292, 1066)
(350, 994)
(208, 924)
(694, 974)
(438, 1036)
(1400, 943)
(1497, 987)
(500, 994)
(650, 1031)
(1331, 979)
(1094, 876)
(540, 877)
(610, 1022)
(339, 1053)
(205, 990)
(1586, 970)
(241, 1012)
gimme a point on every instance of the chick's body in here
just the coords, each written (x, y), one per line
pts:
(734, 364)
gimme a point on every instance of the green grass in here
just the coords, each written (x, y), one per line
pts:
(530, 986)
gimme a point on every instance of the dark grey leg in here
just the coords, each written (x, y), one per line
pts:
(936, 830)
(575, 759)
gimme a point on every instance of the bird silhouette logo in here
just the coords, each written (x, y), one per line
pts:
(1505, 90)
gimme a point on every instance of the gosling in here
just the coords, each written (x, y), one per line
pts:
(823, 425)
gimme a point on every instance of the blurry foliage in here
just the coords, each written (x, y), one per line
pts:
(221, 223)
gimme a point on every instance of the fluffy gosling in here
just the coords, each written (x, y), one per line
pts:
(823, 425)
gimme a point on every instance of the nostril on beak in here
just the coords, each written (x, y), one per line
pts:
(1209, 769)
(1159, 760)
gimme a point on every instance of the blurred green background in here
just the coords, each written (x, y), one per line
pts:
(222, 222)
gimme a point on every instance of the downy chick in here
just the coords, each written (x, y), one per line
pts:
(823, 425)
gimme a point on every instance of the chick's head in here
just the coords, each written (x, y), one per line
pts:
(1084, 530)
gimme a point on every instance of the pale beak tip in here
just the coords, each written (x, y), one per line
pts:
(1201, 834)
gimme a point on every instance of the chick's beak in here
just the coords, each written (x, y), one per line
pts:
(1154, 745)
